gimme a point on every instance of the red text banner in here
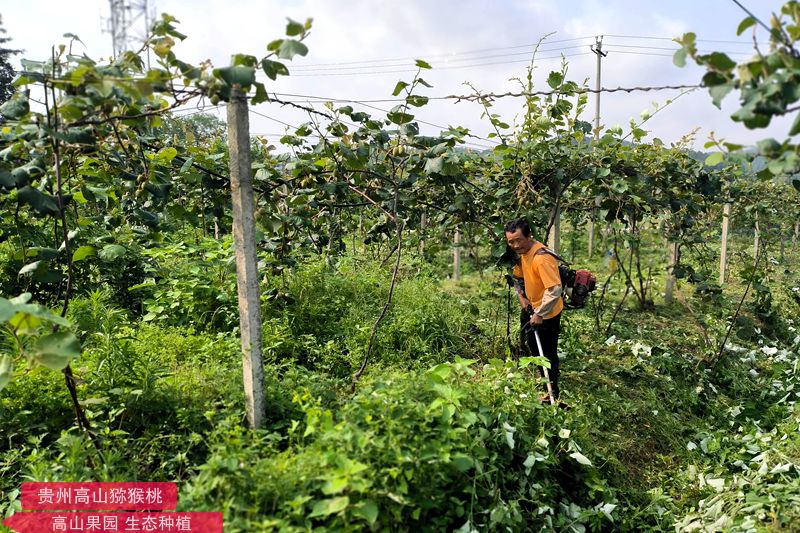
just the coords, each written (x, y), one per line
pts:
(113, 522)
(99, 496)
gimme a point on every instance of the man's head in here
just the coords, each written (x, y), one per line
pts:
(518, 235)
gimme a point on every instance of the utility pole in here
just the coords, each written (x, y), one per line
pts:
(598, 51)
(246, 261)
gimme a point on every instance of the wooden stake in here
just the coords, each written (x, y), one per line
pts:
(246, 260)
(457, 256)
(723, 256)
(671, 280)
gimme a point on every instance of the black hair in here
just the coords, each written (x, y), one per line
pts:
(520, 224)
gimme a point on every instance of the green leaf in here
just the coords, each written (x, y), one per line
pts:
(237, 75)
(582, 459)
(42, 203)
(16, 108)
(43, 253)
(796, 184)
(7, 309)
(718, 92)
(422, 64)
(294, 28)
(417, 101)
(434, 165)
(7, 369)
(462, 462)
(56, 349)
(399, 87)
(330, 506)
(290, 48)
(82, 253)
(399, 117)
(744, 24)
(679, 57)
(555, 79)
(273, 69)
(769, 147)
(368, 510)
(719, 61)
(334, 486)
(714, 159)
(795, 126)
(111, 252)
(261, 95)
(29, 268)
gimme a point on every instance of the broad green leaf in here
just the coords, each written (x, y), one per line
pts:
(399, 87)
(555, 79)
(416, 100)
(166, 155)
(294, 28)
(290, 48)
(719, 61)
(7, 310)
(714, 159)
(744, 24)
(273, 69)
(16, 108)
(582, 459)
(29, 268)
(399, 117)
(795, 129)
(111, 252)
(368, 510)
(6, 370)
(718, 92)
(330, 506)
(334, 486)
(261, 95)
(82, 253)
(42, 203)
(462, 462)
(679, 57)
(237, 75)
(422, 64)
(442, 370)
(55, 350)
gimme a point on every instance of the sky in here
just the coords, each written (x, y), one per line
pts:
(359, 50)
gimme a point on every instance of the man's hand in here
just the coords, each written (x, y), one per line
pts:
(524, 302)
(536, 320)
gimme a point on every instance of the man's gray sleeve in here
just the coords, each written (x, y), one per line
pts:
(549, 300)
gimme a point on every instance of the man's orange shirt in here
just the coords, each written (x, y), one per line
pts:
(540, 272)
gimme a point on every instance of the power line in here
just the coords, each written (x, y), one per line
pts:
(367, 62)
(674, 49)
(672, 39)
(453, 67)
(428, 56)
(446, 59)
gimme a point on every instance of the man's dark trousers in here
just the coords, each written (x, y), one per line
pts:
(548, 334)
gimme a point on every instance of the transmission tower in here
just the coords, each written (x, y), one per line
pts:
(129, 24)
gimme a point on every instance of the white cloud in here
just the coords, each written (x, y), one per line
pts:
(359, 30)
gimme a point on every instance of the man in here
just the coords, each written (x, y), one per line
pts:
(538, 287)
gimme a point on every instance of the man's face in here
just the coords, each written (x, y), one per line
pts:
(518, 242)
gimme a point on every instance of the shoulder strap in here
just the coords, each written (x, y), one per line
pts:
(548, 251)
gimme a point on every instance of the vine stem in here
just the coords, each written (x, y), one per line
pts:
(83, 421)
(380, 318)
(736, 314)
